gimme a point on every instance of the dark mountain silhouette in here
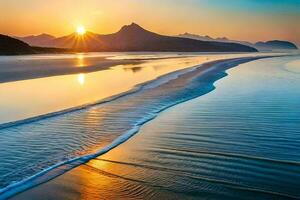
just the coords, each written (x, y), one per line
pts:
(135, 38)
(276, 44)
(12, 46)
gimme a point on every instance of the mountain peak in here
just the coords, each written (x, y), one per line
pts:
(132, 27)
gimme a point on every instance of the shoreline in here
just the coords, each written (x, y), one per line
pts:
(205, 67)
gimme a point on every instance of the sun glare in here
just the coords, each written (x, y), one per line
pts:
(80, 30)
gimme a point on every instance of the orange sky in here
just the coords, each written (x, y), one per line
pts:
(243, 21)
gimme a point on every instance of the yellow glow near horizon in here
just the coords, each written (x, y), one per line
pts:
(80, 30)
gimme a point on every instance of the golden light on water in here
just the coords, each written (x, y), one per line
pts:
(80, 60)
(81, 79)
(80, 30)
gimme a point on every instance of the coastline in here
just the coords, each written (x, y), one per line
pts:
(204, 69)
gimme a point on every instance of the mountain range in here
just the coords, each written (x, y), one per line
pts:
(262, 46)
(133, 38)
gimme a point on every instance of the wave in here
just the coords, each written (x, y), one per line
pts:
(62, 167)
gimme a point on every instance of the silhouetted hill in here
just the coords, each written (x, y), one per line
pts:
(135, 38)
(12, 46)
(276, 44)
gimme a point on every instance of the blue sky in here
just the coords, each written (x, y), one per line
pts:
(266, 6)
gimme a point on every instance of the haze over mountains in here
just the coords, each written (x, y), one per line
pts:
(41, 40)
(269, 45)
(133, 38)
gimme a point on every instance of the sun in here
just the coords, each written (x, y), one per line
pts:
(80, 30)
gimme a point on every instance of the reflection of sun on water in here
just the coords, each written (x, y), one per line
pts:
(81, 79)
(80, 62)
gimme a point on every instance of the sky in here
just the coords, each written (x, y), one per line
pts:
(249, 20)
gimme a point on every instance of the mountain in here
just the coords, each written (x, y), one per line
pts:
(12, 46)
(208, 38)
(135, 38)
(276, 44)
(41, 40)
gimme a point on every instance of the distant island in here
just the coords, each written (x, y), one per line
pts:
(261, 46)
(132, 38)
(276, 44)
